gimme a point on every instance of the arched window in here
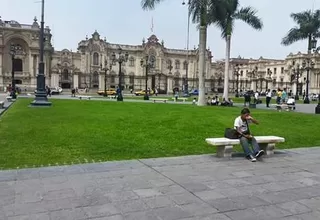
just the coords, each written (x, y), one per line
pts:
(17, 65)
(131, 61)
(95, 58)
(177, 64)
(65, 74)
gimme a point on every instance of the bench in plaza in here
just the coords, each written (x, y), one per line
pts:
(1, 104)
(84, 97)
(182, 99)
(285, 107)
(9, 98)
(225, 145)
(159, 100)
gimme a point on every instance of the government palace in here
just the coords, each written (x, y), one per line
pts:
(85, 68)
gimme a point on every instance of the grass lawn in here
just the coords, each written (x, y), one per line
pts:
(78, 131)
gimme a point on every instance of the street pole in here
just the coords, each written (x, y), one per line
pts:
(41, 95)
(13, 83)
(146, 95)
(297, 89)
(105, 82)
(120, 97)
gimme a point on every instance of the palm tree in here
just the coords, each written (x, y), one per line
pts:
(246, 14)
(199, 10)
(308, 27)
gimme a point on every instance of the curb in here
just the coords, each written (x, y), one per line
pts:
(6, 108)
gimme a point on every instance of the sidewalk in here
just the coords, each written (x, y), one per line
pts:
(285, 186)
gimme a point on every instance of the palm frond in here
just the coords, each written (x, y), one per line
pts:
(302, 18)
(248, 15)
(150, 4)
(295, 34)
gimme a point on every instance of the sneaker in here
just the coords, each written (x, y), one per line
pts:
(251, 158)
(260, 153)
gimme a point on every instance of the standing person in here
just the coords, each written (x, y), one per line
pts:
(284, 95)
(268, 97)
(279, 95)
(241, 124)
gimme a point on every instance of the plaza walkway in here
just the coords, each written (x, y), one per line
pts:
(285, 186)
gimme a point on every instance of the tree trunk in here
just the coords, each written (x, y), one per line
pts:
(202, 64)
(226, 69)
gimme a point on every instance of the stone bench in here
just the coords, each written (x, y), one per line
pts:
(159, 100)
(182, 99)
(285, 107)
(225, 145)
(9, 98)
(84, 97)
(1, 104)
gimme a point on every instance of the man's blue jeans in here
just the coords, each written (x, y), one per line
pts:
(245, 143)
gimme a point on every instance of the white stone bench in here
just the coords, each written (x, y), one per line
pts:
(159, 100)
(84, 97)
(9, 98)
(225, 145)
(182, 99)
(1, 104)
(285, 107)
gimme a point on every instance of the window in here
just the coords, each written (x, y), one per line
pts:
(177, 64)
(131, 61)
(65, 75)
(95, 79)
(17, 65)
(185, 65)
(282, 70)
(95, 58)
(176, 82)
(241, 72)
(169, 64)
(112, 79)
(131, 79)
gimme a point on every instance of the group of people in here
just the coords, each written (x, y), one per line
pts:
(215, 101)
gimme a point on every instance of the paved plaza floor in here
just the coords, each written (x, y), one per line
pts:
(284, 186)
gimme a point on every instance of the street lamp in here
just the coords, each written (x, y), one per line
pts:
(186, 89)
(308, 65)
(147, 63)
(119, 58)
(41, 94)
(105, 75)
(14, 49)
(297, 73)
(237, 74)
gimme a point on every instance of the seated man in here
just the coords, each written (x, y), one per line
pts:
(241, 124)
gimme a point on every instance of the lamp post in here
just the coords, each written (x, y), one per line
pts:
(119, 58)
(106, 69)
(41, 94)
(297, 72)
(186, 89)
(170, 67)
(14, 49)
(237, 74)
(147, 63)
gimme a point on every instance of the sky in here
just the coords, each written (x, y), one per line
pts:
(124, 22)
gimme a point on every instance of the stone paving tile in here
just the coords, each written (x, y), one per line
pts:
(285, 186)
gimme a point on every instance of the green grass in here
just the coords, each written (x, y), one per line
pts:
(75, 131)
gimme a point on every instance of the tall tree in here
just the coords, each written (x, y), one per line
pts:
(308, 27)
(226, 25)
(199, 11)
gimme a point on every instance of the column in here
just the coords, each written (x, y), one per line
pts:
(101, 82)
(75, 80)
(1, 73)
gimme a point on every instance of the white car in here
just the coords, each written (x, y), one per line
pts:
(54, 90)
(314, 97)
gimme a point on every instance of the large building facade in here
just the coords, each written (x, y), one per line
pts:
(85, 68)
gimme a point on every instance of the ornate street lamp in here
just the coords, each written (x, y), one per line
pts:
(119, 58)
(147, 63)
(308, 65)
(106, 69)
(297, 73)
(237, 74)
(14, 50)
(41, 94)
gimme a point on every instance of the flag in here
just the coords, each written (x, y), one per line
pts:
(152, 25)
